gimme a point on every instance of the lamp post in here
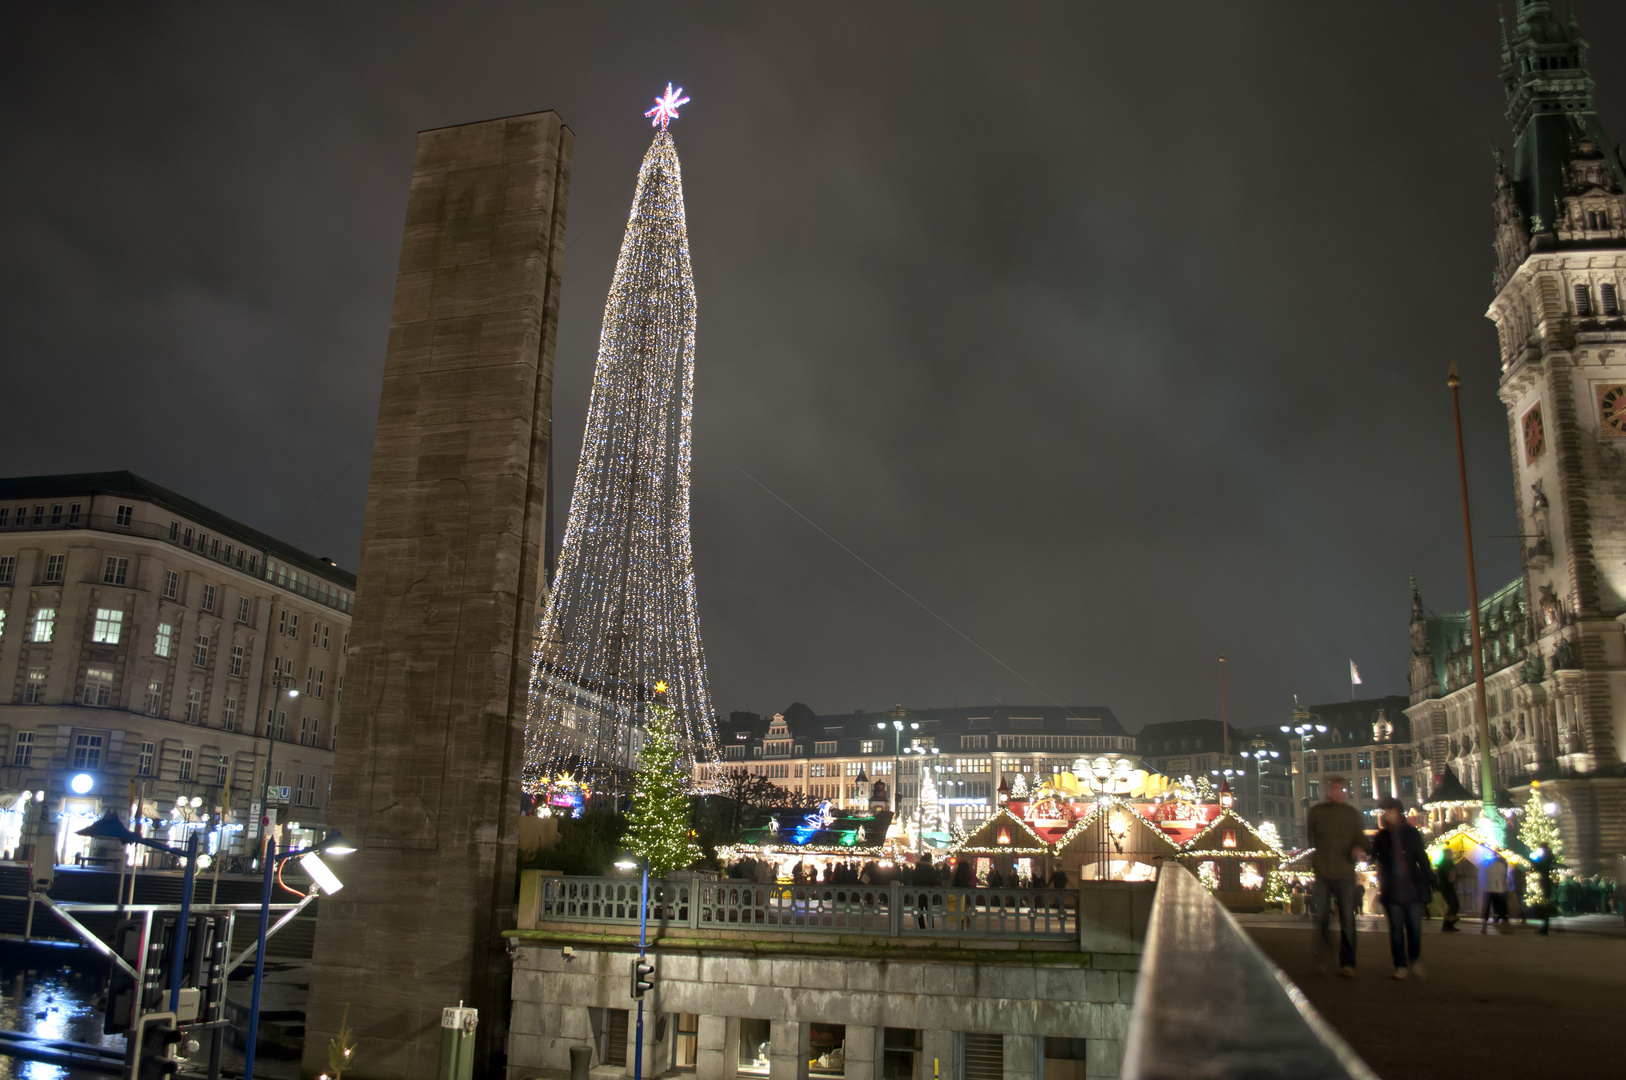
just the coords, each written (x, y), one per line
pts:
(897, 714)
(280, 683)
(333, 843)
(643, 943)
(1490, 823)
(1259, 758)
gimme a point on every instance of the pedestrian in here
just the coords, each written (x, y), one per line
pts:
(963, 874)
(996, 880)
(1338, 833)
(1445, 879)
(1543, 860)
(1403, 885)
(1494, 905)
(923, 878)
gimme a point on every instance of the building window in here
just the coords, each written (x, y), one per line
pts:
(824, 747)
(1583, 301)
(214, 548)
(53, 569)
(44, 624)
(184, 770)
(282, 621)
(34, 688)
(338, 690)
(115, 570)
(172, 584)
(175, 532)
(310, 679)
(8, 569)
(299, 791)
(324, 637)
(1366, 787)
(1380, 759)
(98, 687)
(194, 706)
(200, 651)
(155, 697)
(39, 516)
(253, 561)
(1407, 787)
(1611, 301)
(242, 609)
(23, 756)
(293, 624)
(1363, 760)
(1404, 758)
(1313, 787)
(164, 640)
(73, 513)
(222, 770)
(236, 667)
(209, 598)
(320, 675)
(282, 725)
(108, 628)
(304, 730)
(56, 514)
(144, 761)
(122, 516)
(186, 537)
(87, 751)
(228, 714)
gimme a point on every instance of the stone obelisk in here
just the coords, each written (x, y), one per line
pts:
(427, 777)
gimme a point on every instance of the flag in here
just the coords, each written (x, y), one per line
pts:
(1354, 674)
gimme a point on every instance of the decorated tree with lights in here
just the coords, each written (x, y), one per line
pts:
(1019, 790)
(1208, 874)
(1270, 835)
(1538, 830)
(928, 809)
(621, 612)
(658, 824)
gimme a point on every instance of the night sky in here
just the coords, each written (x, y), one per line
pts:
(1115, 333)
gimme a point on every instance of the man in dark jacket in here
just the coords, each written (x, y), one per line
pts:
(1338, 833)
(1404, 884)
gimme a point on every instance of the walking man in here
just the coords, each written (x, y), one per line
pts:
(1495, 902)
(1338, 834)
(1403, 886)
(1445, 878)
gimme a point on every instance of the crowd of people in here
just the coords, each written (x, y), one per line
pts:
(956, 873)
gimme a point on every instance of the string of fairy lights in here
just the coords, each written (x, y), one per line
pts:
(622, 616)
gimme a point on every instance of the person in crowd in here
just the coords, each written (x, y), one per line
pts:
(798, 873)
(1494, 906)
(1338, 834)
(996, 880)
(963, 875)
(1404, 884)
(924, 877)
(1543, 860)
(1058, 878)
(1445, 879)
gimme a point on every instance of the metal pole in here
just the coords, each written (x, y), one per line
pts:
(1487, 774)
(270, 852)
(643, 923)
(182, 927)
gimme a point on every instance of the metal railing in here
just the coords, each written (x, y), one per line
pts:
(894, 910)
(1209, 1003)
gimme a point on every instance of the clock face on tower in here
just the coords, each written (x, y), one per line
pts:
(1535, 438)
(1612, 409)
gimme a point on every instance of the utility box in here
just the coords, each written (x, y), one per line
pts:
(457, 1042)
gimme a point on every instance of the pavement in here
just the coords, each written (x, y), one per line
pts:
(1507, 1003)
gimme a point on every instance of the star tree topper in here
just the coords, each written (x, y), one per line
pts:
(666, 107)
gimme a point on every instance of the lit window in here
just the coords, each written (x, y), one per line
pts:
(155, 697)
(164, 640)
(109, 626)
(98, 686)
(44, 625)
(23, 756)
(87, 751)
(115, 570)
(34, 688)
(53, 568)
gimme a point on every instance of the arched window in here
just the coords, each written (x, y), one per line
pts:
(1611, 302)
(1583, 301)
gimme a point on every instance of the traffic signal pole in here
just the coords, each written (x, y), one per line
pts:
(643, 944)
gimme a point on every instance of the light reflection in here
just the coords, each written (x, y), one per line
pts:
(54, 1003)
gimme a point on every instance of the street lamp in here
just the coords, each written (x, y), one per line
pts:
(333, 843)
(897, 714)
(1259, 757)
(280, 683)
(627, 862)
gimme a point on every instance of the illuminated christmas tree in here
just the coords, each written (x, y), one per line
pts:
(621, 613)
(927, 808)
(1539, 829)
(1019, 790)
(1270, 835)
(658, 824)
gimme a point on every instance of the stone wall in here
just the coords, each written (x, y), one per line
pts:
(1023, 998)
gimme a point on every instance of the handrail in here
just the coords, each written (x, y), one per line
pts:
(1209, 1003)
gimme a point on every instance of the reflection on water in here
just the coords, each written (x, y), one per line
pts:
(53, 1003)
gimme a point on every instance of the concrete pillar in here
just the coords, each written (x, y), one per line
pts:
(940, 1049)
(427, 774)
(863, 1050)
(717, 1051)
(787, 1050)
(1023, 1054)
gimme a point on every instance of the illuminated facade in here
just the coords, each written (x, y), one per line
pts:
(144, 630)
(1555, 646)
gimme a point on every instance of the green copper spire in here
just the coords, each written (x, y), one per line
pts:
(1549, 104)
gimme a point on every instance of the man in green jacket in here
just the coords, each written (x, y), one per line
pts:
(1337, 831)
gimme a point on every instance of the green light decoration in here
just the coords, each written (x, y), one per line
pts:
(658, 824)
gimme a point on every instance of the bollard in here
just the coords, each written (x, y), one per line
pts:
(457, 1042)
(581, 1059)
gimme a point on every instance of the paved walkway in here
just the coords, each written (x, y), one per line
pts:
(1505, 1004)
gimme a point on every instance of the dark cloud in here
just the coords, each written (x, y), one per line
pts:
(1114, 333)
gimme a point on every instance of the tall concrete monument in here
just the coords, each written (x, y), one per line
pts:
(427, 777)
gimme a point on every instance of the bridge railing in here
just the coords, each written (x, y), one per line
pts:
(1209, 1003)
(893, 910)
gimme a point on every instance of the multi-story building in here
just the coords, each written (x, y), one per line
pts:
(968, 751)
(1554, 641)
(1368, 743)
(140, 637)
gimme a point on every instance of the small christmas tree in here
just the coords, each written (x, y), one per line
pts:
(1269, 834)
(1019, 790)
(341, 1052)
(658, 824)
(1538, 830)
(1277, 890)
(928, 808)
(1208, 874)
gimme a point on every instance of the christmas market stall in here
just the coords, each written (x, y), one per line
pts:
(1115, 841)
(821, 840)
(1233, 860)
(1473, 854)
(1006, 845)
